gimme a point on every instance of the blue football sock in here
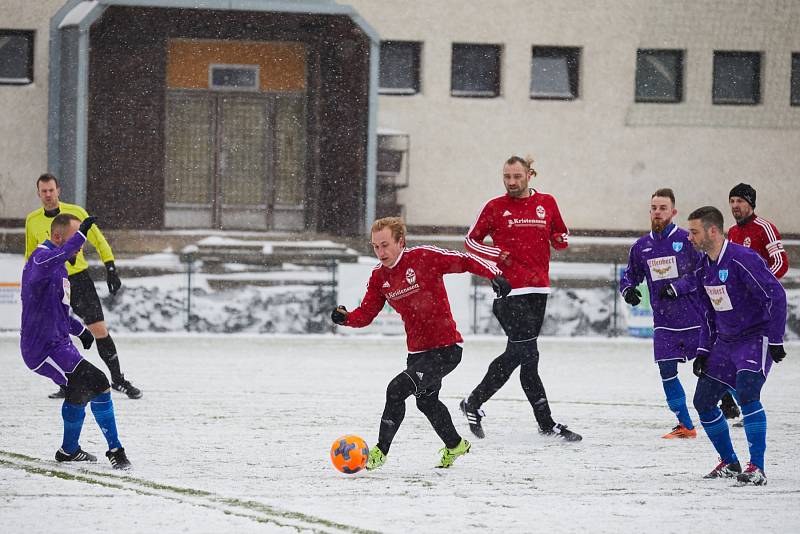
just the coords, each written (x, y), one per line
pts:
(755, 427)
(73, 415)
(676, 400)
(716, 428)
(103, 410)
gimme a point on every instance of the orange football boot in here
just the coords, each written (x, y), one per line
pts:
(681, 432)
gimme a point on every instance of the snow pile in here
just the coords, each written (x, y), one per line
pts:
(249, 309)
(570, 312)
(159, 304)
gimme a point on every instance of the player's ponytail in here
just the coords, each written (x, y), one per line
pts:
(531, 170)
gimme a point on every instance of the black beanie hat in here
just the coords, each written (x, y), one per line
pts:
(746, 192)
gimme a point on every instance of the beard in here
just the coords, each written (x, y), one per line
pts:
(704, 246)
(658, 226)
(517, 193)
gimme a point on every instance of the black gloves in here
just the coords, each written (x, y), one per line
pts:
(112, 279)
(339, 315)
(86, 338)
(668, 293)
(699, 365)
(501, 286)
(777, 353)
(632, 296)
(87, 224)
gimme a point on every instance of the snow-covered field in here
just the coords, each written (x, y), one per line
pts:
(233, 435)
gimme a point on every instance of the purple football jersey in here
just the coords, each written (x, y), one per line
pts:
(741, 297)
(46, 318)
(663, 259)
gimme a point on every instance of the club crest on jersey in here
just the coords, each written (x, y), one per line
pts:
(746, 242)
(677, 247)
(540, 212)
(723, 275)
(411, 276)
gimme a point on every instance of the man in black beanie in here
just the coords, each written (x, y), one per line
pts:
(744, 192)
(756, 232)
(760, 235)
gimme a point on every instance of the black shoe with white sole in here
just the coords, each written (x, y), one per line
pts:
(474, 416)
(78, 456)
(124, 386)
(560, 431)
(118, 458)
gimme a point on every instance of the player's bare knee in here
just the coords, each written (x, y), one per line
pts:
(98, 329)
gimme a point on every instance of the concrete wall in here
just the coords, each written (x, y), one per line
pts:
(23, 108)
(602, 154)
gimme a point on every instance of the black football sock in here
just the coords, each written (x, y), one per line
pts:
(108, 353)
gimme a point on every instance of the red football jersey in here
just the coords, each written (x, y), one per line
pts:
(415, 288)
(525, 228)
(762, 236)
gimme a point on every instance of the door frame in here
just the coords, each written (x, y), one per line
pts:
(216, 206)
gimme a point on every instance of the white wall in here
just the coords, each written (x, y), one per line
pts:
(602, 154)
(23, 128)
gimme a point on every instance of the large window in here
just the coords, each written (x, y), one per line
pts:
(554, 72)
(737, 78)
(475, 70)
(16, 57)
(659, 76)
(795, 87)
(399, 67)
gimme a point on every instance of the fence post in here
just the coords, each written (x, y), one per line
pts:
(334, 266)
(187, 256)
(615, 331)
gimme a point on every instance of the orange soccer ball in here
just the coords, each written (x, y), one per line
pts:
(349, 454)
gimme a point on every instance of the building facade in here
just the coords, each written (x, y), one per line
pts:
(268, 119)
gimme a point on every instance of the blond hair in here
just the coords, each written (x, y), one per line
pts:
(526, 162)
(395, 224)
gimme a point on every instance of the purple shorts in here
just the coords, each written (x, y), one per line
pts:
(747, 354)
(675, 344)
(58, 362)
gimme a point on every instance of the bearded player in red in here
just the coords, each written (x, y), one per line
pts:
(756, 232)
(523, 225)
(410, 280)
